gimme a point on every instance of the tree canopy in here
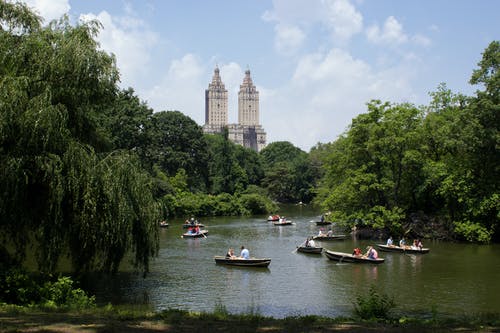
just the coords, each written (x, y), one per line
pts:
(62, 191)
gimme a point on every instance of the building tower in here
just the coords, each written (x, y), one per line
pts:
(247, 132)
(216, 113)
(248, 102)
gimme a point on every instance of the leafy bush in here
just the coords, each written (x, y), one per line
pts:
(224, 204)
(256, 204)
(62, 293)
(20, 288)
(373, 305)
(472, 232)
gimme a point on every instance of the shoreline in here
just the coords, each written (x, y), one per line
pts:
(110, 319)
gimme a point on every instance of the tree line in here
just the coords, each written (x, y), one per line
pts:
(87, 169)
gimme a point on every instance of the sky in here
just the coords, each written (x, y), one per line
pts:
(316, 63)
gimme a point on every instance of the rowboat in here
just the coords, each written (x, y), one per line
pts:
(329, 238)
(406, 249)
(322, 222)
(189, 225)
(252, 262)
(164, 224)
(202, 233)
(283, 223)
(310, 249)
(347, 257)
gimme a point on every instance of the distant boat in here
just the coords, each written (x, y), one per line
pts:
(322, 222)
(406, 249)
(252, 262)
(348, 257)
(163, 224)
(329, 238)
(202, 233)
(283, 222)
(189, 225)
(310, 249)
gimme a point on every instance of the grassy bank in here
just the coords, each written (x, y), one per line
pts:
(113, 319)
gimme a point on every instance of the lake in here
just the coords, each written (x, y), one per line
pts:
(453, 278)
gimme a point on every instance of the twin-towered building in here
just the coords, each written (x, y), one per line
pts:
(247, 132)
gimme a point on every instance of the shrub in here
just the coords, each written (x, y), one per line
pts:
(374, 305)
(62, 293)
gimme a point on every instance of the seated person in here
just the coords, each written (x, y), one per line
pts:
(329, 233)
(230, 254)
(245, 254)
(389, 241)
(356, 252)
(372, 253)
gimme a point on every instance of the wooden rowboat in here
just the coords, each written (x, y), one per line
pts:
(406, 249)
(283, 223)
(347, 257)
(189, 225)
(202, 233)
(330, 238)
(322, 222)
(252, 262)
(310, 249)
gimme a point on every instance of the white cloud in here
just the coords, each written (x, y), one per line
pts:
(131, 42)
(391, 33)
(295, 19)
(288, 38)
(327, 90)
(181, 88)
(49, 9)
(421, 40)
(343, 18)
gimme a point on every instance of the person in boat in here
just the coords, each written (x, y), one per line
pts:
(389, 241)
(356, 252)
(329, 233)
(321, 232)
(196, 230)
(311, 242)
(414, 245)
(322, 218)
(245, 254)
(402, 242)
(230, 254)
(419, 244)
(371, 253)
(190, 230)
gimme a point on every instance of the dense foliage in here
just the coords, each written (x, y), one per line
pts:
(400, 167)
(289, 174)
(62, 192)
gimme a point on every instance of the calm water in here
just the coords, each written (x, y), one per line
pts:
(452, 277)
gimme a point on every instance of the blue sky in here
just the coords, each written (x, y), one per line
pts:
(316, 63)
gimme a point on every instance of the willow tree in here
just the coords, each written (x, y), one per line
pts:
(61, 192)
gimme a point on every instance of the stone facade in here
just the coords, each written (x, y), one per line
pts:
(248, 132)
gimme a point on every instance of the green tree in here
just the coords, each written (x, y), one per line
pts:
(370, 173)
(59, 195)
(289, 175)
(125, 122)
(176, 142)
(226, 174)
